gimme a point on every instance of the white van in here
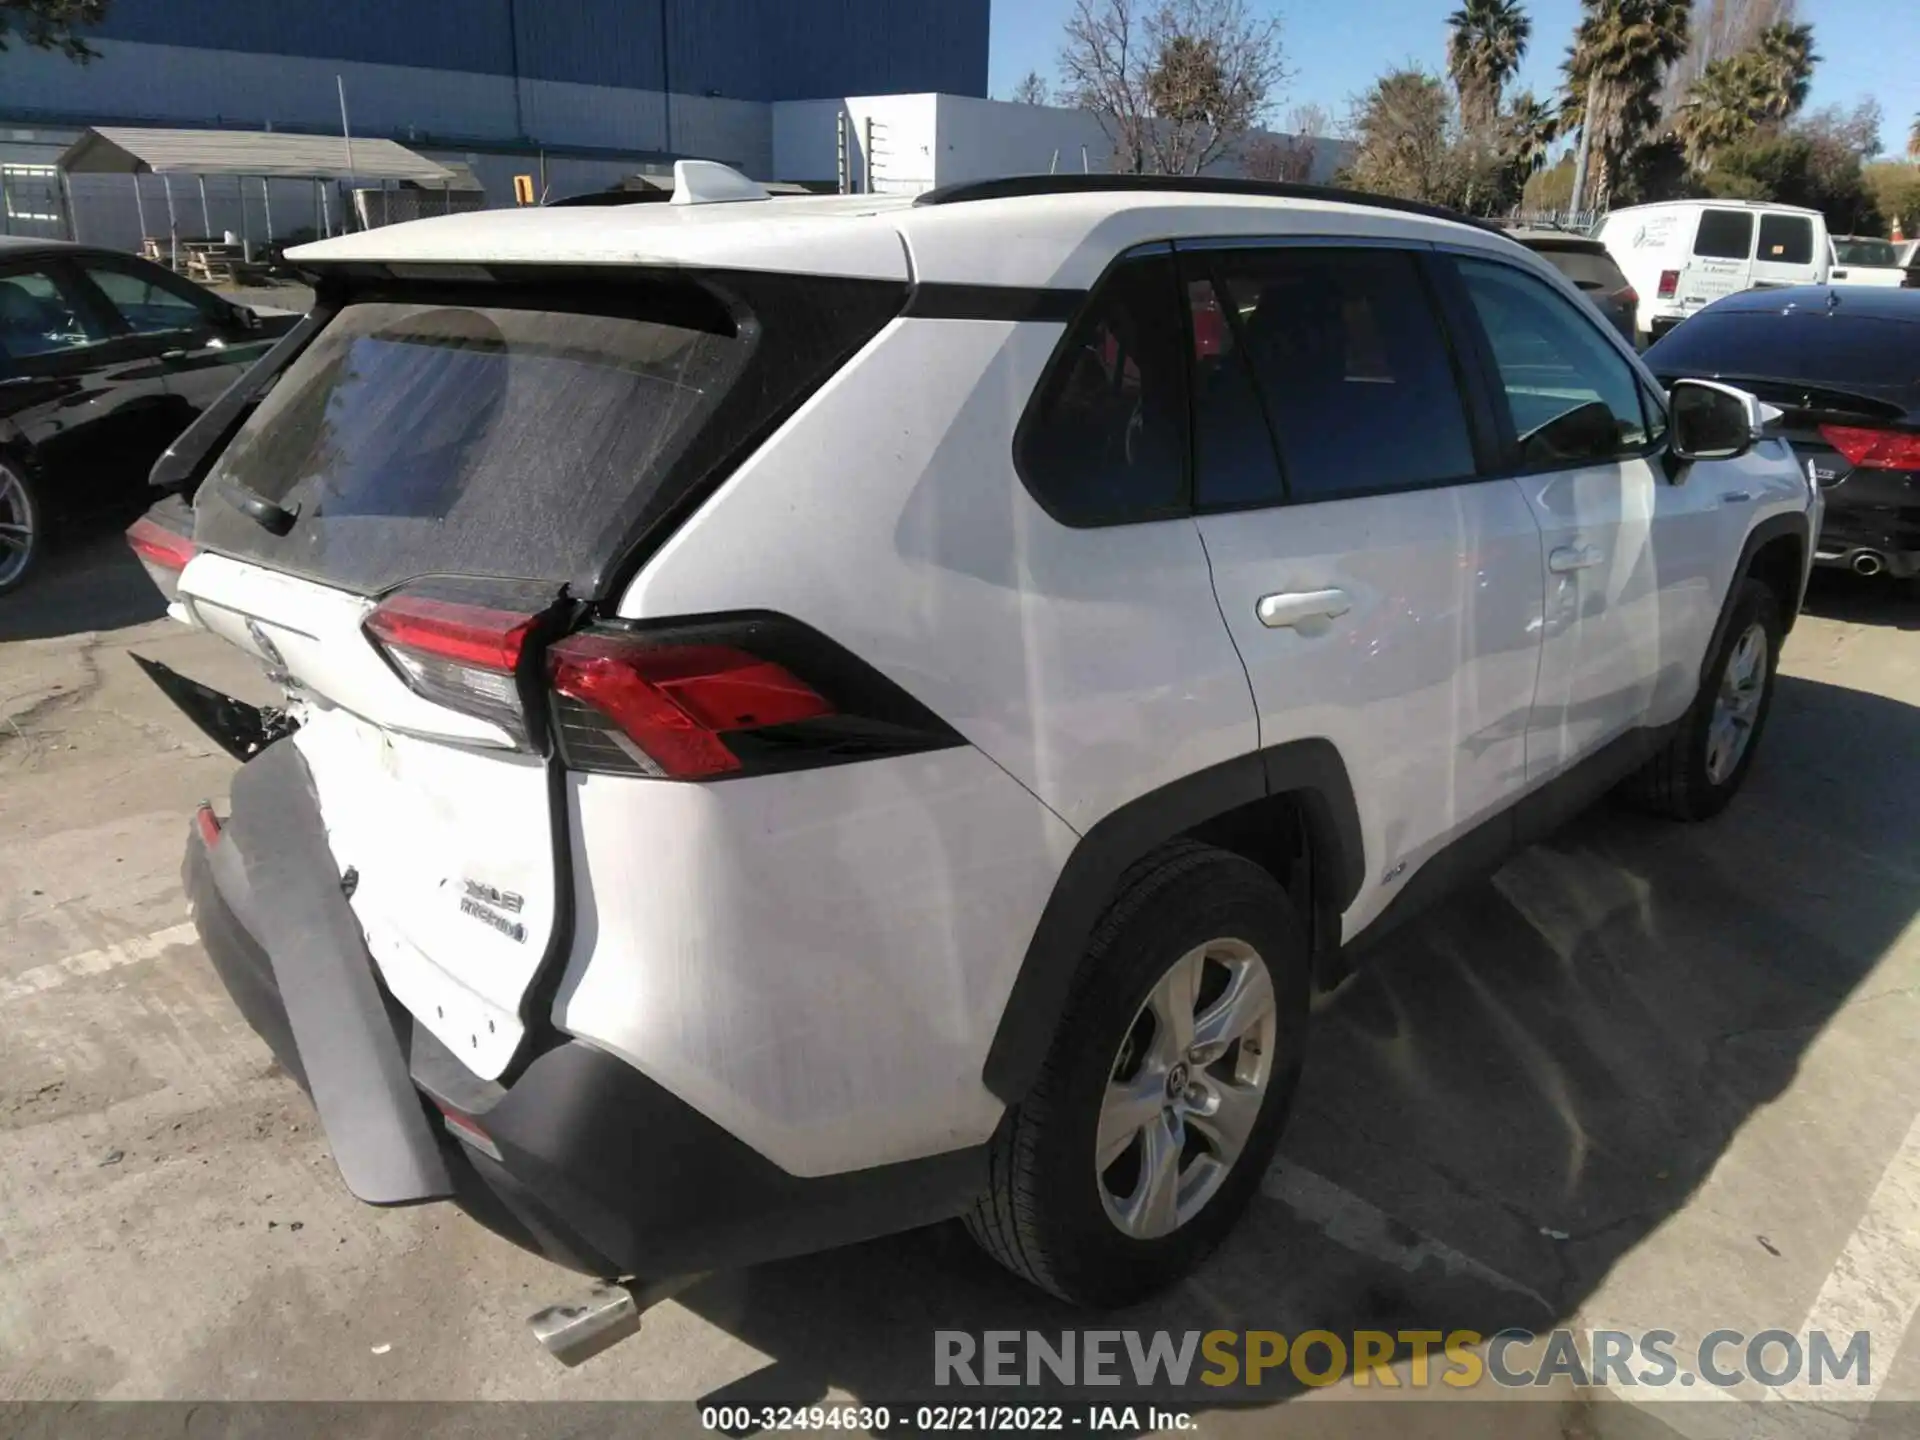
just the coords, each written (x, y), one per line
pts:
(1682, 255)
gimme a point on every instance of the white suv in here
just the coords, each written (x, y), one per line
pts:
(811, 716)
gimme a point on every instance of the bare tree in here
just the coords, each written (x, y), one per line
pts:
(1289, 156)
(1032, 90)
(1176, 84)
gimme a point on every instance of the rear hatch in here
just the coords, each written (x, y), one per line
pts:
(448, 476)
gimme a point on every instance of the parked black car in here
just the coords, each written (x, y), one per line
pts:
(1588, 265)
(104, 359)
(1843, 364)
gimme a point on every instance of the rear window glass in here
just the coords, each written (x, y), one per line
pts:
(1724, 235)
(1866, 252)
(1591, 270)
(421, 439)
(1831, 350)
(1785, 240)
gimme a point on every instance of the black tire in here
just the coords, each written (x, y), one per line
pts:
(1677, 782)
(1043, 1216)
(16, 488)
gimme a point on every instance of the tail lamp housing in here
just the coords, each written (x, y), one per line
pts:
(162, 553)
(1669, 284)
(1871, 448)
(701, 699)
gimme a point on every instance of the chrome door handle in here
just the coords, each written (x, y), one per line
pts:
(1735, 497)
(1569, 558)
(1288, 608)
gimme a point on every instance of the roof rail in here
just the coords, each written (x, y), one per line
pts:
(1015, 186)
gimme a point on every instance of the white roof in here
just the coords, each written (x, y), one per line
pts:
(272, 153)
(1059, 241)
(1718, 205)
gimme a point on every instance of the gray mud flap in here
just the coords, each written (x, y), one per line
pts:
(375, 1120)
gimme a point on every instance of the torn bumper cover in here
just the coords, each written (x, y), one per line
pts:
(598, 1168)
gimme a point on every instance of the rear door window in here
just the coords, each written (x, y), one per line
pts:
(1785, 240)
(150, 303)
(1724, 235)
(42, 315)
(1233, 457)
(1104, 441)
(1352, 366)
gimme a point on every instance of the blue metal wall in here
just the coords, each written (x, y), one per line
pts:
(740, 49)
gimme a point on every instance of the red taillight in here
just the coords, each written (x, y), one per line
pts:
(162, 553)
(1873, 449)
(468, 1129)
(677, 703)
(159, 546)
(208, 824)
(1627, 295)
(461, 656)
(1669, 284)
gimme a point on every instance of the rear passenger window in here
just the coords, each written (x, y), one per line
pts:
(1573, 398)
(1233, 461)
(1785, 240)
(1349, 359)
(1105, 438)
(1724, 235)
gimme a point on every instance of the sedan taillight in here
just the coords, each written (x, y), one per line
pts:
(1871, 448)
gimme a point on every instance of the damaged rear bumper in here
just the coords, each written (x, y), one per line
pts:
(581, 1158)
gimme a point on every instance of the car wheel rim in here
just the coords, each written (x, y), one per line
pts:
(1737, 704)
(1186, 1089)
(16, 526)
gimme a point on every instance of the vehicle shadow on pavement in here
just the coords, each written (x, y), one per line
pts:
(1876, 600)
(1495, 1112)
(90, 581)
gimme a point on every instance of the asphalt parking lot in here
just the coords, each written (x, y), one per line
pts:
(1649, 1076)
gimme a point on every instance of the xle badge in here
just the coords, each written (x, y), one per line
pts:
(479, 902)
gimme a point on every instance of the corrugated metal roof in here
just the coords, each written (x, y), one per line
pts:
(246, 152)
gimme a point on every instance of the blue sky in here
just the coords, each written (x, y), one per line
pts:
(1337, 47)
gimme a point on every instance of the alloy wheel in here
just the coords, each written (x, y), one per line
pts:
(1186, 1089)
(16, 526)
(1743, 683)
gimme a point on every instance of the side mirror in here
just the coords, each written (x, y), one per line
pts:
(1711, 421)
(245, 317)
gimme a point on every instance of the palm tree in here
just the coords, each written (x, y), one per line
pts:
(1723, 107)
(1784, 58)
(1619, 60)
(1485, 43)
(1529, 130)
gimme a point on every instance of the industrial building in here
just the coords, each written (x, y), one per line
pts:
(875, 94)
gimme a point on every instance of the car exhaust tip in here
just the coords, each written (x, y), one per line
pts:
(1868, 563)
(574, 1331)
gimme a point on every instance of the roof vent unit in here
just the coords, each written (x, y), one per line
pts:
(708, 182)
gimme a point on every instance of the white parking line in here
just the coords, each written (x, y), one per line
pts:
(94, 962)
(1875, 1284)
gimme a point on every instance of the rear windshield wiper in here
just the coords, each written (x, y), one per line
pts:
(269, 515)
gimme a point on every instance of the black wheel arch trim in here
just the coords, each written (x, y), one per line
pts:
(1795, 526)
(1312, 770)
